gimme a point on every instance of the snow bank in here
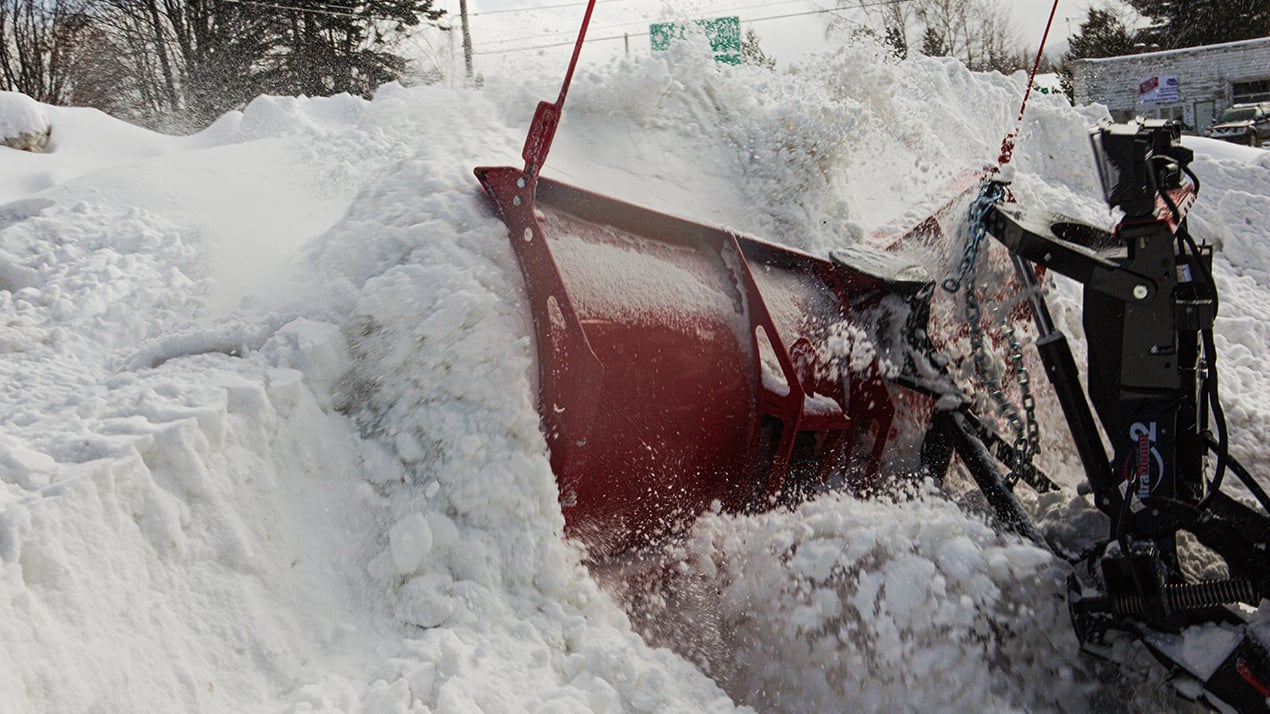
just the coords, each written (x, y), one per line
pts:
(1232, 212)
(166, 521)
(152, 521)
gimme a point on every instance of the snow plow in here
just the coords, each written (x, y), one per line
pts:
(672, 350)
(684, 367)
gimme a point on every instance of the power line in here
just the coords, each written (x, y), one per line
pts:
(313, 10)
(293, 8)
(537, 7)
(821, 11)
(560, 44)
(573, 33)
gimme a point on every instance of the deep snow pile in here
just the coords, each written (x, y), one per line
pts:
(267, 435)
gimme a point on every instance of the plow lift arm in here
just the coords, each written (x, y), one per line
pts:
(1149, 306)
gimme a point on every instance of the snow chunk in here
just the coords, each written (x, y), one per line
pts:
(409, 542)
(23, 123)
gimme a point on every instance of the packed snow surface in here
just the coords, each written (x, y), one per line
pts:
(267, 429)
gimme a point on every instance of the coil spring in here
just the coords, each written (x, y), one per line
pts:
(1195, 596)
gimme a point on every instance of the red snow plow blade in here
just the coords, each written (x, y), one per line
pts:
(682, 367)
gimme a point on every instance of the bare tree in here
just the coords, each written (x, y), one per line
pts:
(132, 42)
(38, 41)
(948, 21)
(177, 64)
(993, 33)
(890, 20)
(98, 76)
(895, 16)
(753, 54)
(978, 32)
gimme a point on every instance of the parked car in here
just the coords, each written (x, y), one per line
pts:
(1243, 124)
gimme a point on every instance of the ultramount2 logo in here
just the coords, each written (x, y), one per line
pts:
(1145, 463)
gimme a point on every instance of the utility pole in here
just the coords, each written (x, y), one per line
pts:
(467, 38)
(449, 68)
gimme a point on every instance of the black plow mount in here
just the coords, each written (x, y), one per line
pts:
(1150, 302)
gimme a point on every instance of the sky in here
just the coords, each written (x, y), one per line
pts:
(789, 29)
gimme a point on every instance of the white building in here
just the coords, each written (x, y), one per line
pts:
(1192, 84)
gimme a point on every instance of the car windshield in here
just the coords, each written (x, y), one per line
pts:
(1238, 114)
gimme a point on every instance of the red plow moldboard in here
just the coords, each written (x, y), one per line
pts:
(684, 367)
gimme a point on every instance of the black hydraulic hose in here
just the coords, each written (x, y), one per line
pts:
(1191, 175)
(1219, 420)
(1122, 521)
(1209, 392)
(1160, 191)
(1248, 480)
(1203, 413)
(1196, 260)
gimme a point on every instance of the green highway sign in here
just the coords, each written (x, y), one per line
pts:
(724, 34)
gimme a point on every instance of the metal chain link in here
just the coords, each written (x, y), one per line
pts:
(1025, 429)
(1026, 446)
(989, 194)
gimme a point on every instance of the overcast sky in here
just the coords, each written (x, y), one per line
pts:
(789, 29)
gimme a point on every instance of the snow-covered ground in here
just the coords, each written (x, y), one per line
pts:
(268, 439)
